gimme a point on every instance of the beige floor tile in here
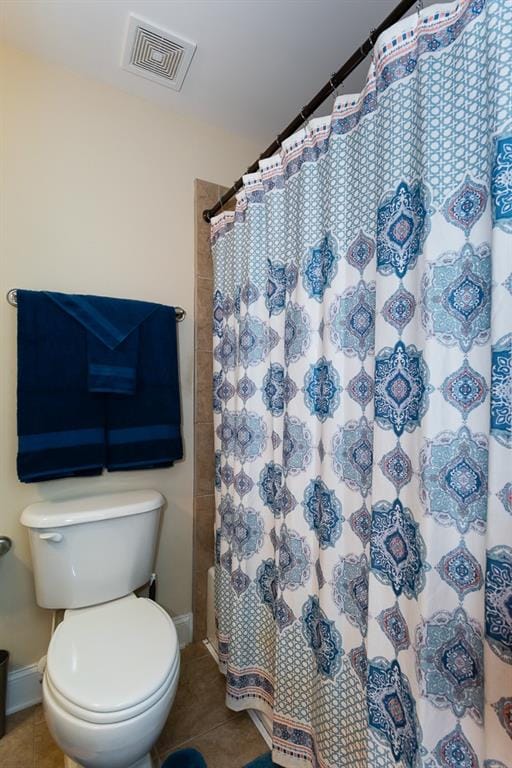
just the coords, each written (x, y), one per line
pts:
(230, 745)
(199, 704)
(39, 714)
(46, 752)
(17, 746)
(192, 652)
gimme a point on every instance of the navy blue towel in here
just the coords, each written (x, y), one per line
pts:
(185, 758)
(112, 337)
(72, 417)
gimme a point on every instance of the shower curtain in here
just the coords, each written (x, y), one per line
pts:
(362, 396)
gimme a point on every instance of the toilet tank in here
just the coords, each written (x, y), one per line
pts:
(90, 550)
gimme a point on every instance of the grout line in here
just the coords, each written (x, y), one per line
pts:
(182, 744)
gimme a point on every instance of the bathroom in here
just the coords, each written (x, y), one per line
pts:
(269, 531)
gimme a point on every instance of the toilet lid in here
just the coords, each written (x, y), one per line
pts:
(113, 656)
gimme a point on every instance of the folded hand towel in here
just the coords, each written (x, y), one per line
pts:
(112, 337)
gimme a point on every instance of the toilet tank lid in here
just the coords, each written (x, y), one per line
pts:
(88, 509)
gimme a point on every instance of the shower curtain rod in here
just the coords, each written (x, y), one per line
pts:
(335, 81)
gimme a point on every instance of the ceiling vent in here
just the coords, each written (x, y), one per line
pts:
(156, 54)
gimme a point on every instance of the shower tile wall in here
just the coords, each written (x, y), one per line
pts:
(206, 194)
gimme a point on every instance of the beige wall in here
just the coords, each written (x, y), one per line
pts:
(97, 196)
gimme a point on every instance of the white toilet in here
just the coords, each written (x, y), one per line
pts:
(113, 662)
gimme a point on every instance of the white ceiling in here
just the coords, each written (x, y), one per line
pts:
(257, 61)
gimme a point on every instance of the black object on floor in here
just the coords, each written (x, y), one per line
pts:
(263, 761)
(185, 758)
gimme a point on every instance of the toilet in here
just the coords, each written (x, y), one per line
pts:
(113, 662)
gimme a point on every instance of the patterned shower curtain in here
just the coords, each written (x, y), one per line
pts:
(362, 397)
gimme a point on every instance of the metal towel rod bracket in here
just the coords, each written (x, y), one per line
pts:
(12, 298)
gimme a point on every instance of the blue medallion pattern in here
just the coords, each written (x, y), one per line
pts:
(501, 391)
(453, 484)
(278, 389)
(501, 188)
(397, 549)
(216, 383)
(394, 627)
(227, 517)
(273, 491)
(455, 751)
(361, 523)
(297, 445)
(320, 266)
(245, 388)
(322, 388)
(466, 205)
(352, 320)
(242, 435)
(401, 388)
(350, 589)
(293, 559)
(266, 583)
(360, 388)
(456, 297)
(247, 535)
(498, 602)
(505, 496)
(503, 709)
(242, 483)
(402, 227)
(297, 333)
(281, 279)
(352, 455)
(256, 340)
(226, 351)
(392, 710)
(361, 252)
(218, 314)
(359, 661)
(399, 309)
(450, 663)
(239, 581)
(322, 637)
(465, 389)
(249, 294)
(323, 513)
(396, 467)
(460, 569)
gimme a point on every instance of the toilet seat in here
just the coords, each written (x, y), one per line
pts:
(110, 662)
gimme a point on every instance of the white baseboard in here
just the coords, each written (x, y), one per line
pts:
(24, 684)
(23, 688)
(184, 627)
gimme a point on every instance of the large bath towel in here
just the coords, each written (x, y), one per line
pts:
(72, 419)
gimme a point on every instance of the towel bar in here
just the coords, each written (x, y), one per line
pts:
(13, 301)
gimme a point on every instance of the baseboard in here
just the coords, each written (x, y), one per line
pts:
(23, 688)
(184, 627)
(24, 684)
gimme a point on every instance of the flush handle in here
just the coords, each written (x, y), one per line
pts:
(51, 536)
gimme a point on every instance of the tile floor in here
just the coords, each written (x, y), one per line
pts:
(198, 719)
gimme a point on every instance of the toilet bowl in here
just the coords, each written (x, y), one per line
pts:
(110, 680)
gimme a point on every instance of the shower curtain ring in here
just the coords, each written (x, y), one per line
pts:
(419, 6)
